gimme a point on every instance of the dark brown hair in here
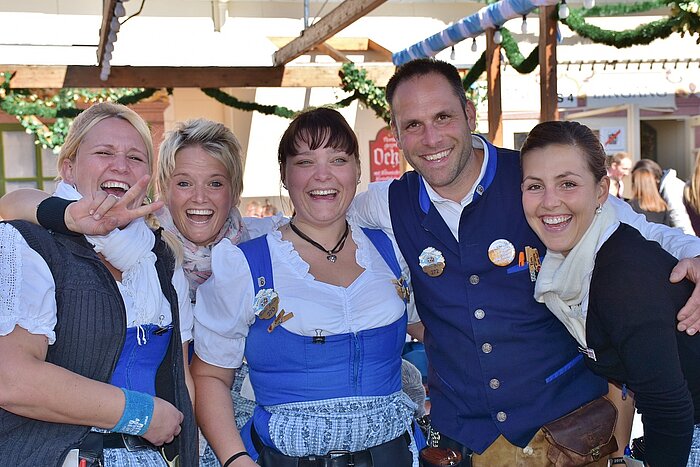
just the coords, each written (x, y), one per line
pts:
(426, 66)
(320, 127)
(569, 134)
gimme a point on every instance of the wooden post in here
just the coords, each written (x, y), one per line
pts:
(548, 64)
(493, 78)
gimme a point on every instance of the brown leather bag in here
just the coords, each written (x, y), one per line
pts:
(439, 457)
(583, 436)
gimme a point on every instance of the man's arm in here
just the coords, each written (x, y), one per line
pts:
(672, 240)
(371, 208)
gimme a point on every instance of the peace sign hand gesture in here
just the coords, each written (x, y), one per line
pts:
(101, 213)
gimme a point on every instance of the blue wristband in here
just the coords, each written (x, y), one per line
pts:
(137, 415)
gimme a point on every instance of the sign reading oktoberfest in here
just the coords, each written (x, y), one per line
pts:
(384, 158)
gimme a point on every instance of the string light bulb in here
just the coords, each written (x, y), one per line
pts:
(563, 10)
(119, 10)
(497, 36)
(452, 53)
(589, 3)
(523, 27)
(474, 48)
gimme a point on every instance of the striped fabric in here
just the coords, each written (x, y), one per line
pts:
(489, 17)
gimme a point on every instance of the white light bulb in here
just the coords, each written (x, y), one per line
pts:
(589, 3)
(474, 45)
(119, 10)
(523, 27)
(114, 25)
(112, 36)
(563, 10)
(452, 53)
(497, 36)
(107, 56)
(109, 47)
(104, 75)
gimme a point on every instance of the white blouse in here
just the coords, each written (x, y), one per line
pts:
(224, 306)
(28, 300)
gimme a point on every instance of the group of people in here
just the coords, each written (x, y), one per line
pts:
(101, 300)
(656, 193)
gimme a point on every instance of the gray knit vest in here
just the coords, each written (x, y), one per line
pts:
(90, 329)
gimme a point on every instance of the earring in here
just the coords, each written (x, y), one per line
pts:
(358, 181)
(599, 209)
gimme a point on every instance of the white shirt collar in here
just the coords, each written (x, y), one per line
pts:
(477, 143)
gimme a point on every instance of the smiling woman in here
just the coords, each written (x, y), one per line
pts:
(92, 328)
(333, 305)
(609, 287)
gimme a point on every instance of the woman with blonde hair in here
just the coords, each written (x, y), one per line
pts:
(92, 328)
(646, 198)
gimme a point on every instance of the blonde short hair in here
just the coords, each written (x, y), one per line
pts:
(93, 115)
(214, 138)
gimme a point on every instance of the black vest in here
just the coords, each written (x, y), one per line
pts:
(90, 330)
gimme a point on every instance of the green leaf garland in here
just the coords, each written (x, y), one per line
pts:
(49, 117)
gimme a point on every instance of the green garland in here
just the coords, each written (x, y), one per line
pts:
(355, 80)
(231, 101)
(49, 118)
(34, 111)
(622, 9)
(280, 111)
(643, 34)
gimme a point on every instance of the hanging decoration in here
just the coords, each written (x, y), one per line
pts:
(49, 116)
(489, 17)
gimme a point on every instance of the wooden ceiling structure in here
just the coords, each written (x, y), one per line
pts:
(317, 38)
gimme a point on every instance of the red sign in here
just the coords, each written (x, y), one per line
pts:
(384, 157)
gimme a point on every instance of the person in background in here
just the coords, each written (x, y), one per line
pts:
(254, 209)
(318, 308)
(609, 287)
(92, 328)
(691, 195)
(672, 188)
(619, 165)
(646, 198)
(269, 209)
(501, 365)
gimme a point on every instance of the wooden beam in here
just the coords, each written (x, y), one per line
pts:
(107, 15)
(382, 51)
(74, 76)
(335, 54)
(548, 64)
(493, 93)
(343, 15)
(344, 44)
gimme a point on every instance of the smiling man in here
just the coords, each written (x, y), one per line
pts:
(501, 365)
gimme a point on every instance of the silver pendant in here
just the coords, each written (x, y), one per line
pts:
(332, 258)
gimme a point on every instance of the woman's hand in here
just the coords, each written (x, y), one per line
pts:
(165, 424)
(101, 213)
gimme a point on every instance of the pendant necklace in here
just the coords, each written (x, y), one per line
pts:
(332, 253)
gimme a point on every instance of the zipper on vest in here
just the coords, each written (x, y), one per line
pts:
(356, 363)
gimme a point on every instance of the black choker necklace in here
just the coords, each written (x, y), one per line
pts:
(332, 253)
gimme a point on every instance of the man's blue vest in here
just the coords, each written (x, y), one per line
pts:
(500, 363)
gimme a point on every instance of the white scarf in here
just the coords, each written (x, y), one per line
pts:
(129, 250)
(197, 259)
(564, 281)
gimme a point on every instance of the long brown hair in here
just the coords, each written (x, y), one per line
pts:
(691, 194)
(645, 189)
